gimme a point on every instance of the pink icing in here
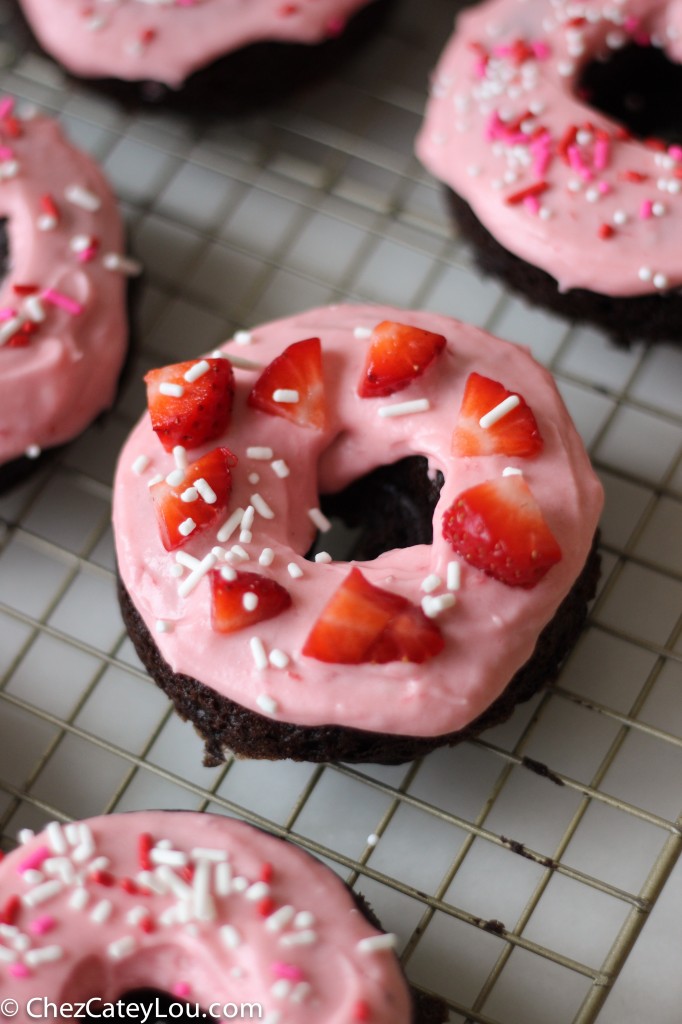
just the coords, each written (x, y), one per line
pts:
(500, 119)
(202, 925)
(67, 373)
(166, 40)
(492, 628)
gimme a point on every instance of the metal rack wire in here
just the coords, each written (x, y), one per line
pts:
(519, 870)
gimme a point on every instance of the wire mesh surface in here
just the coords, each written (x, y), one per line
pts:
(517, 892)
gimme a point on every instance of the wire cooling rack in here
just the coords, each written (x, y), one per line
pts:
(522, 894)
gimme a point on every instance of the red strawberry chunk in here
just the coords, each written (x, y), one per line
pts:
(514, 433)
(172, 512)
(294, 374)
(498, 527)
(233, 610)
(397, 355)
(363, 623)
(201, 413)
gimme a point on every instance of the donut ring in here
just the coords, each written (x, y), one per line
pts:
(554, 181)
(487, 629)
(207, 909)
(63, 330)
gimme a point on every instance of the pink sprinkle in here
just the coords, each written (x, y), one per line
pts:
(575, 158)
(540, 49)
(604, 188)
(480, 67)
(6, 153)
(601, 154)
(675, 152)
(290, 971)
(335, 26)
(532, 204)
(19, 971)
(6, 106)
(630, 24)
(63, 301)
(87, 254)
(181, 990)
(34, 860)
(492, 129)
(6, 313)
(645, 209)
(43, 924)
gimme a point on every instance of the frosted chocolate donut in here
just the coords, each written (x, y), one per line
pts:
(63, 325)
(204, 908)
(217, 501)
(560, 199)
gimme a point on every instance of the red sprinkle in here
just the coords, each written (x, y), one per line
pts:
(24, 289)
(12, 127)
(187, 873)
(144, 846)
(129, 886)
(102, 878)
(18, 340)
(605, 231)
(266, 872)
(147, 925)
(361, 1010)
(532, 190)
(148, 35)
(633, 176)
(266, 907)
(10, 911)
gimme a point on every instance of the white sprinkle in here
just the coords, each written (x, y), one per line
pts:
(301, 992)
(79, 243)
(86, 844)
(294, 570)
(278, 659)
(433, 606)
(280, 468)
(56, 838)
(323, 556)
(175, 477)
(223, 879)
(512, 471)
(173, 858)
(431, 583)
(79, 196)
(319, 519)
(189, 561)
(405, 408)
(254, 478)
(658, 209)
(250, 601)
(171, 390)
(261, 506)
(150, 881)
(374, 943)
(243, 337)
(258, 653)
(140, 464)
(33, 451)
(197, 371)
(238, 552)
(186, 527)
(304, 919)
(303, 938)
(372, 839)
(280, 919)
(72, 834)
(176, 885)
(285, 396)
(660, 281)
(42, 893)
(228, 574)
(206, 491)
(267, 704)
(7, 956)
(257, 891)
(208, 853)
(644, 274)
(241, 363)
(34, 309)
(240, 884)
(230, 936)
(136, 914)
(190, 494)
(248, 517)
(43, 955)
(121, 947)
(499, 411)
(101, 911)
(454, 575)
(259, 452)
(9, 328)
(180, 456)
(98, 864)
(32, 877)
(230, 525)
(78, 899)
(267, 557)
(125, 265)
(245, 537)
(46, 222)
(156, 479)
(195, 577)
(362, 333)
(204, 908)
(164, 626)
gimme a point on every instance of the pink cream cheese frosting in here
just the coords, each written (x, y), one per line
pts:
(204, 908)
(553, 180)
(166, 40)
(491, 629)
(63, 327)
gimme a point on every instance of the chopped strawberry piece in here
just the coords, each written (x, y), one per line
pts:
(497, 526)
(292, 386)
(231, 612)
(172, 512)
(398, 354)
(201, 413)
(363, 623)
(514, 433)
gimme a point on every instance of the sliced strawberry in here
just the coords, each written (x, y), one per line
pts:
(201, 413)
(363, 623)
(172, 511)
(515, 433)
(497, 526)
(297, 370)
(397, 355)
(230, 613)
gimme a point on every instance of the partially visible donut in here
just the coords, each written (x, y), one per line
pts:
(588, 216)
(272, 655)
(63, 323)
(209, 910)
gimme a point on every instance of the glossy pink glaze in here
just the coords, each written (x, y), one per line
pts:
(492, 629)
(166, 40)
(495, 122)
(52, 388)
(208, 939)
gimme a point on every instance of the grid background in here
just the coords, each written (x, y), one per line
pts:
(321, 200)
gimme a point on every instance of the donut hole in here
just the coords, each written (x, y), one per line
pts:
(638, 86)
(391, 507)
